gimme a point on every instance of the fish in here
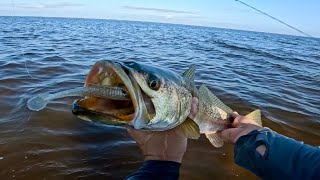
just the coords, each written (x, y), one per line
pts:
(159, 99)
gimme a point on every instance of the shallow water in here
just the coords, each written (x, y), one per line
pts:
(278, 74)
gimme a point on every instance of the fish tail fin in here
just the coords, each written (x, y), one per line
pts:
(215, 139)
(255, 116)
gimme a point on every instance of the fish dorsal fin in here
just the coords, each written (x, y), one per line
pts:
(215, 139)
(206, 95)
(190, 129)
(256, 116)
(190, 73)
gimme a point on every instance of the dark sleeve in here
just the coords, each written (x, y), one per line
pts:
(153, 169)
(285, 158)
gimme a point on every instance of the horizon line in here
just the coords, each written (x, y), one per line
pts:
(130, 20)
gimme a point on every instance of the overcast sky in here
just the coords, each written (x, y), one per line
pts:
(304, 15)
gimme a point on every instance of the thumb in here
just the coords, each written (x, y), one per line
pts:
(235, 114)
(135, 134)
(194, 107)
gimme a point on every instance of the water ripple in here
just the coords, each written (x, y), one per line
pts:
(276, 73)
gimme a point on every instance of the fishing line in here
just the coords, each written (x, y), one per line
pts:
(25, 65)
(19, 44)
(274, 18)
(20, 47)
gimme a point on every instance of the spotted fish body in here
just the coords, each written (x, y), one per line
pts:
(213, 115)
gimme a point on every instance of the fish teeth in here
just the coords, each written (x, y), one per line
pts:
(100, 70)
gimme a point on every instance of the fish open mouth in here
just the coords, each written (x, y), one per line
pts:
(113, 111)
(107, 73)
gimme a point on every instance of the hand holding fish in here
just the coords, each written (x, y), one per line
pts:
(241, 126)
(167, 145)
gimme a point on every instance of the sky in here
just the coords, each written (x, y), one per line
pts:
(303, 15)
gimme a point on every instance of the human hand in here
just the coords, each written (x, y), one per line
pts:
(241, 126)
(167, 145)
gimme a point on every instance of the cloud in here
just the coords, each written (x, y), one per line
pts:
(158, 10)
(47, 5)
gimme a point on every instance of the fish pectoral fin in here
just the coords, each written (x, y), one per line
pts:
(190, 129)
(190, 73)
(206, 95)
(256, 116)
(215, 139)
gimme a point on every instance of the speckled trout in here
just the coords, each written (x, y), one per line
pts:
(160, 99)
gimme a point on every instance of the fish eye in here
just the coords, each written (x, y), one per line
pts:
(154, 83)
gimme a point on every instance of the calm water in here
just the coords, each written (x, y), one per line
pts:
(278, 74)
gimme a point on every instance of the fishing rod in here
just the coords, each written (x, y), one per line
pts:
(282, 22)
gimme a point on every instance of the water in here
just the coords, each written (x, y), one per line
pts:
(278, 74)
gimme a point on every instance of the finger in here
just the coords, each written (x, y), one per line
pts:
(238, 120)
(135, 134)
(194, 107)
(235, 114)
(130, 131)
